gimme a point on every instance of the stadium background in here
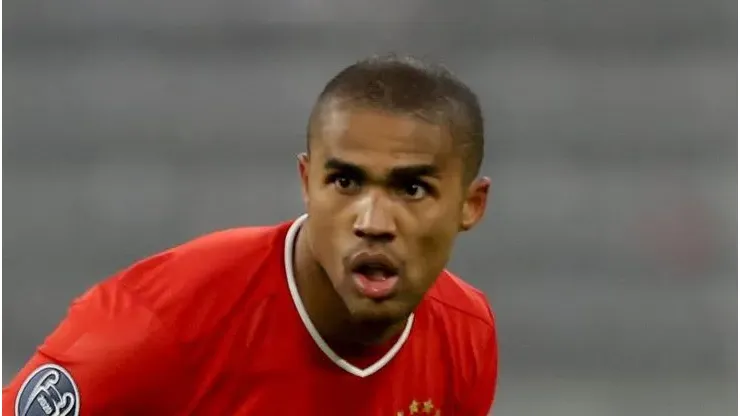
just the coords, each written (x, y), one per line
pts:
(608, 251)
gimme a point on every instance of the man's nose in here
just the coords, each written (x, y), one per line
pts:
(374, 220)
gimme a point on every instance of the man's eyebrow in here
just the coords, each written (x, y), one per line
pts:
(415, 171)
(410, 171)
(334, 163)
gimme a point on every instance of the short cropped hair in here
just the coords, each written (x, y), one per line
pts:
(408, 85)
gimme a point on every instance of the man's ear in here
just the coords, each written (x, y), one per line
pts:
(474, 207)
(303, 165)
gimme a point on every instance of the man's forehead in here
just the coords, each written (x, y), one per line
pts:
(381, 137)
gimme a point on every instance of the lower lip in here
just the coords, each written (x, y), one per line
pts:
(375, 288)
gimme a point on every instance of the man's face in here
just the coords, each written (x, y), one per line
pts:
(385, 198)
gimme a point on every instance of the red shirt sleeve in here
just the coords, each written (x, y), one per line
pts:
(480, 397)
(109, 356)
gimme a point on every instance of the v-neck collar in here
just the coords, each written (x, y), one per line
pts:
(290, 241)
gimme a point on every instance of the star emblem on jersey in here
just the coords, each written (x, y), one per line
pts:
(417, 408)
(48, 391)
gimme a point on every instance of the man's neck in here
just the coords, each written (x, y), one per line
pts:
(324, 306)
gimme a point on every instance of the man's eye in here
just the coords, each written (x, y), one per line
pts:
(344, 183)
(414, 191)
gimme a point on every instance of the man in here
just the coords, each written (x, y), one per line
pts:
(345, 311)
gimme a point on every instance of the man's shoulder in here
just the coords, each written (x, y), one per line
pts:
(458, 300)
(224, 244)
(204, 256)
(206, 277)
(463, 321)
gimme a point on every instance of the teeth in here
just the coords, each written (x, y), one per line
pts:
(374, 273)
(377, 276)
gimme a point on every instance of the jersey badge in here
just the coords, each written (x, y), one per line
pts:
(48, 391)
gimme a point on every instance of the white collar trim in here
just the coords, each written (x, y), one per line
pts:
(290, 241)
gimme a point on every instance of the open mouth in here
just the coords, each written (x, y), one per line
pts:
(375, 277)
(376, 270)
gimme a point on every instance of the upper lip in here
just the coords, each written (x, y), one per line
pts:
(367, 258)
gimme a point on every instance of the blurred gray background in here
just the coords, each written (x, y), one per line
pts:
(609, 251)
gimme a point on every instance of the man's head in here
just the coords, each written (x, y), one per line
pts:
(389, 180)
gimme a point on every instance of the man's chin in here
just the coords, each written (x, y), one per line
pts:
(387, 312)
(374, 325)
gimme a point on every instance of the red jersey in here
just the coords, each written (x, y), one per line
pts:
(215, 327)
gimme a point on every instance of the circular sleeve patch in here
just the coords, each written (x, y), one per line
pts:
(48, 391)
